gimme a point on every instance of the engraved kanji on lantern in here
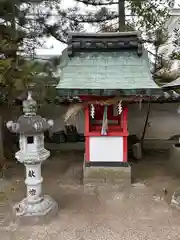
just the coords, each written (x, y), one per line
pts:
(31, 128)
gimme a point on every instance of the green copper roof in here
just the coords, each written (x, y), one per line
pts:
(107, 71)
(119, 67)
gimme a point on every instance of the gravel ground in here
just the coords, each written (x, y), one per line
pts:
(140, 212)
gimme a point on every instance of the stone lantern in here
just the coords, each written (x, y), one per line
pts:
(32, 154)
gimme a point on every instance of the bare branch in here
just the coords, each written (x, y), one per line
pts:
(99, 17)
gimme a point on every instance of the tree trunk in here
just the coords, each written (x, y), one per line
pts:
(145, 125)
(121, 6)
(1, 142)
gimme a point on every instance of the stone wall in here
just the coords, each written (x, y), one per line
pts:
(164, 121)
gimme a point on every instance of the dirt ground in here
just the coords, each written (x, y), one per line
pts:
(140, 212)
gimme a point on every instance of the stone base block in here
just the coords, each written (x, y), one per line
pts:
(175, 202)
(174, 159)
(100, 173)
(34, 214)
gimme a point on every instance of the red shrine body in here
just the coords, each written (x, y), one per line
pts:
(111, 147)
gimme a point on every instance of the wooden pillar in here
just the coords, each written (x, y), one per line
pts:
(86, 132)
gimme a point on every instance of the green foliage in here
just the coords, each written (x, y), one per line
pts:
(151, 14)
(18, 38)
(176, 43)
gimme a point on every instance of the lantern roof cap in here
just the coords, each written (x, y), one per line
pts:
(30, 123)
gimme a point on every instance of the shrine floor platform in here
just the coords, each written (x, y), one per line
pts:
(142, 212)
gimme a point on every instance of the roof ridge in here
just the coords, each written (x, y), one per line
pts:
(108, 42)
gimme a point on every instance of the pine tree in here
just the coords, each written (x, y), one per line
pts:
(18, 71)
(19, 33)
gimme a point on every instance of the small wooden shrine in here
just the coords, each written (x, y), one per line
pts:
(105, 126)
(106, 71)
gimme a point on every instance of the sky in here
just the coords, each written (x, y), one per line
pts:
(54, 47)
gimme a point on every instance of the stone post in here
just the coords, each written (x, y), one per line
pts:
(33, 182)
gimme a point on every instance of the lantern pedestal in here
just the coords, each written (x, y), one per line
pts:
(36, 213)
(35, 208)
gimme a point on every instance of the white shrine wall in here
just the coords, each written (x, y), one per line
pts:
(106, 149)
